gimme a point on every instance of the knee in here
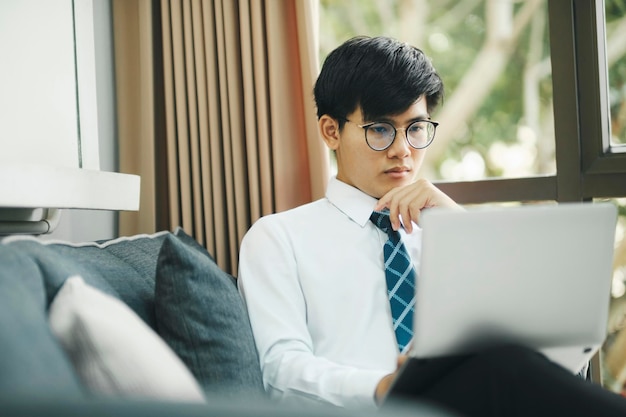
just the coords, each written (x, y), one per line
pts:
(512, 357)
(511, 350)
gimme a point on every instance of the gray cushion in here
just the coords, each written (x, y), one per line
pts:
(201, 315)
(32, 365)
(124, 267)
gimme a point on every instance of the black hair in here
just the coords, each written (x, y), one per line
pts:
(381, 75)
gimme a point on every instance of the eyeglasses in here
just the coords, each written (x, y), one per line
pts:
(380, 135)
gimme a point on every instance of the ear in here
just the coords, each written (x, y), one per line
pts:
(329, 130)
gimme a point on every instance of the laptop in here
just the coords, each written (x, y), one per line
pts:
(537, 275)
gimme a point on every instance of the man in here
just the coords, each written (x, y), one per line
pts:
(314, 278)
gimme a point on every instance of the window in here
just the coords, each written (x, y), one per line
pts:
(491, 126)
(616, 61)
(548, 123)
(614, 349)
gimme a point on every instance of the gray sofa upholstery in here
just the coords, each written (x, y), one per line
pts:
(174, 286)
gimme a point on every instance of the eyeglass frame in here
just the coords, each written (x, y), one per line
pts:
(366, 126)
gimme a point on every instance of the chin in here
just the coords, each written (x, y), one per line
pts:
(401, 182)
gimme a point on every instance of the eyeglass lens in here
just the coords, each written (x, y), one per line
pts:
(380, 136)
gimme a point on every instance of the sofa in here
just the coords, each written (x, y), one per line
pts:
(139, 325)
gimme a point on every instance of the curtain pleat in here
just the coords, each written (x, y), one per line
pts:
(225, 84)
(239, 202)
(191, 57)
(181, 110)
(214, 201)
(237, 116)
(134, 75)
(263, 178)
(204, 208)
(307, 16)
(173, 196)
(286, 115)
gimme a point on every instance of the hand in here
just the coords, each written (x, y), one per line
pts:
(408, 202)
(385, 383)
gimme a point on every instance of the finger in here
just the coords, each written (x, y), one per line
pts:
(401, 215)
(399, 202)
(405, 213)
(380, 205)
(415, 216)
(412, 208)
(383, 202)
(394, 215)
(402, 359)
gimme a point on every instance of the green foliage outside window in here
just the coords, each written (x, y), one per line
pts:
(494, 58)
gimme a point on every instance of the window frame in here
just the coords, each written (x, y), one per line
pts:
(587, 165)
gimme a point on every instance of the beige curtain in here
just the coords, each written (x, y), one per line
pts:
(216, 114)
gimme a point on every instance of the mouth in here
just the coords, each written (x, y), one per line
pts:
(398, 170)
(398, 173)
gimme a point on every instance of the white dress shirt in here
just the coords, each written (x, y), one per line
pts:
(313, 282)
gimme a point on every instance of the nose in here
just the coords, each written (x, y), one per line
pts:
(400, 147)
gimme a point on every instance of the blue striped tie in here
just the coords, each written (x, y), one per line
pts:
(400, 275)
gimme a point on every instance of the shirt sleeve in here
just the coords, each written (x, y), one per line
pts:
(268, 281)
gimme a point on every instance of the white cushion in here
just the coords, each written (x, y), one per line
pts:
(113, 351)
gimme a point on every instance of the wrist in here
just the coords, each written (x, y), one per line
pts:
(382, 388)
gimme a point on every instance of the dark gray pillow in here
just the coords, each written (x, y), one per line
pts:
(201, 315)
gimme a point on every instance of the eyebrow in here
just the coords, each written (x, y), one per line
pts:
(408, 122)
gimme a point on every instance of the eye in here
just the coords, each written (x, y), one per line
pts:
(381, 129)
(418, 127)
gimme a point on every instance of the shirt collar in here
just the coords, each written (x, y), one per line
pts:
(351, 201)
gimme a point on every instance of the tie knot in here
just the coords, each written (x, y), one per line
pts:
(382, 221)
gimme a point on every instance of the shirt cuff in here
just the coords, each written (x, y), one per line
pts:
(360, 387)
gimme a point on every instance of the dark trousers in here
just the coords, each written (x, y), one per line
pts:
(504, 381)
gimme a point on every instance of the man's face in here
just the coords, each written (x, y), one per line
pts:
(377, 172)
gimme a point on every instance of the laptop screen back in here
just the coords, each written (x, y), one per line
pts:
(538, 275)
